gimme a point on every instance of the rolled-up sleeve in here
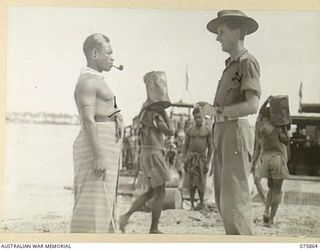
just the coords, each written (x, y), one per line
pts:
(250, 72)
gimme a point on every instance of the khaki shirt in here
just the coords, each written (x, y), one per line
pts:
(239, 75)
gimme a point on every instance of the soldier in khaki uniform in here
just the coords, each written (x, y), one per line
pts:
(237, 96)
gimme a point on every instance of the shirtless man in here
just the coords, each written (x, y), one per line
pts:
(271, 149)
(155, 124)
(96, 149)
(197, 153)
(179, 141)
(131, 151)
(171, 155)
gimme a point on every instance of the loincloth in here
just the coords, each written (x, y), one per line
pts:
(195, 171)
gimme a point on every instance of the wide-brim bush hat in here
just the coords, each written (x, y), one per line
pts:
(225, 15)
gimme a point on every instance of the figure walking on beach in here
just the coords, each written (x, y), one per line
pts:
(171, 155)
(237, 96)
(155, 124)
(131, 151)
(270, 160)
(179, 141)
(197, 153)
(96, 150)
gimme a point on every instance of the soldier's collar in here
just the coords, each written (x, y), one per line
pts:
(238, 57)
(91, 71)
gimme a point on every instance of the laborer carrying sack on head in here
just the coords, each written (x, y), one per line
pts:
(270, 152)
(155, 123)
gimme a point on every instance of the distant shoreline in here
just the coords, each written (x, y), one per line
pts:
(43, 118)
(45, 123)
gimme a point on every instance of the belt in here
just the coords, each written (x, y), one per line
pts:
(228, 118)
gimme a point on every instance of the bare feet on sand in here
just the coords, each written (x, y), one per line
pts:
(123, 221)
(199, 207)
(265, 218)
(268, 224)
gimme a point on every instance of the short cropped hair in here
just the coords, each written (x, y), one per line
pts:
(196, 111)
(94, 41)
(236, 24)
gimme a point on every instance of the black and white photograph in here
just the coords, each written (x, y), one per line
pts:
(162, 121)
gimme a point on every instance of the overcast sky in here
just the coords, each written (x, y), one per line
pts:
(45, 54)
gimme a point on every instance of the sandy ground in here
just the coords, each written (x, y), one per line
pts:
(291, 220)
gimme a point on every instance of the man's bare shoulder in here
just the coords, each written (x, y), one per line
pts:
(207, 131)
(88, 83)
(190, 130)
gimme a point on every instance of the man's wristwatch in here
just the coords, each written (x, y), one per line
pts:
(220, 110)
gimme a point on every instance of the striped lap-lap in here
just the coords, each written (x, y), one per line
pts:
(91, 212)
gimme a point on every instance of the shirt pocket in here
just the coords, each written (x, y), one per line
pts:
(232, 93)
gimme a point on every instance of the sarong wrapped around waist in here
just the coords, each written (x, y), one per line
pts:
(154, 166)
(195, 168)
(91, 211)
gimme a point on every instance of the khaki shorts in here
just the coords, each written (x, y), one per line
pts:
(273, 165)
(154, 167)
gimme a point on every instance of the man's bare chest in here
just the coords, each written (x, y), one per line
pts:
(198, 133)
(104, 93)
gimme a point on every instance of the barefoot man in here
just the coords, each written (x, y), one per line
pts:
(197, 153)
(237, 96)
(96, 149)
(271, 148)
(155, 124)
